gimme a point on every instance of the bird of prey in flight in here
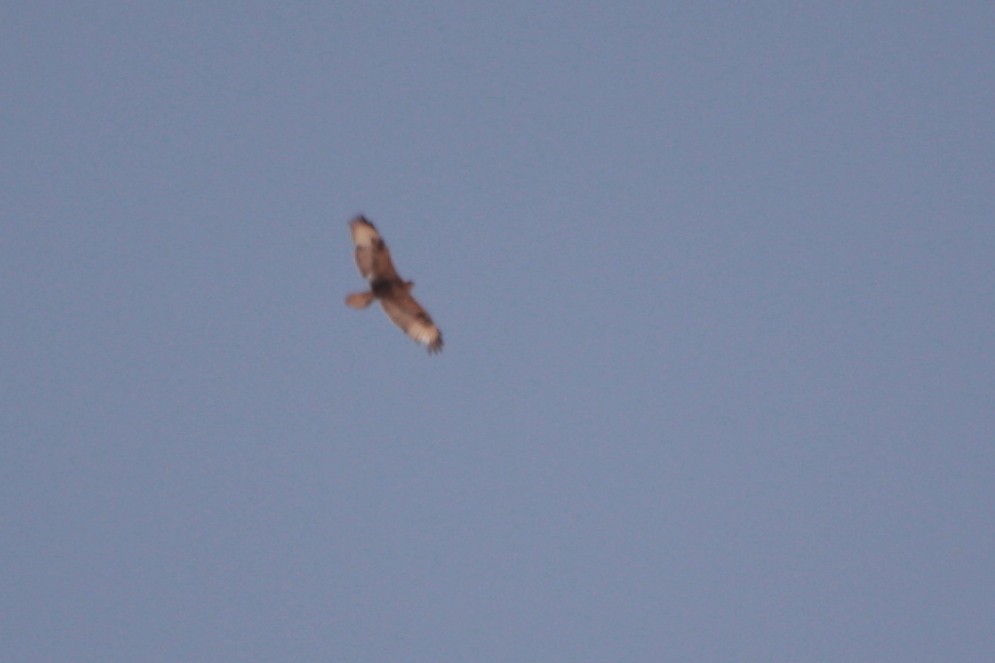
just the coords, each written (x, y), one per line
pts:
(386, 285)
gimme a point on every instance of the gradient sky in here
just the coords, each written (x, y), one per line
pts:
(716, 282)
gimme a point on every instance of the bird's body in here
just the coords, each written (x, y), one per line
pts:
(386, 286)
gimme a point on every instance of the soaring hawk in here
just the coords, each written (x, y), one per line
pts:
(394, 293)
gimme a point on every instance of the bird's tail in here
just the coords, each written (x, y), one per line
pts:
(359, 299)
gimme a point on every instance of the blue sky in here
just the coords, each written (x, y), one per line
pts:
(717, 291)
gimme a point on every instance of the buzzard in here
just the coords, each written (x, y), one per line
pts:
(394, 293)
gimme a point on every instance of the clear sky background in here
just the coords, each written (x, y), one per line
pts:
(716, 282)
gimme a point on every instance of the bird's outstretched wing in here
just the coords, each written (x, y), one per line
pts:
(372, 254)
(409, 315)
